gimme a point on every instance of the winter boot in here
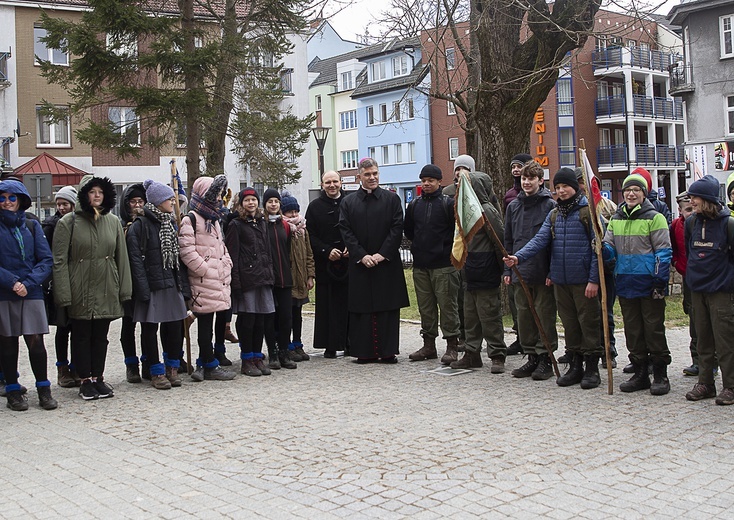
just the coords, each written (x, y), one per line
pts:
(249, 368)
(565, 359)
(452, 354)
(160, 382)
(544, 370)
(639, 381)
(45, 400)
(298, 347)
(468, 360)
(273, 361)
(515, 348)
(221, 356)
(132, 373)
(575, 372)
(660, 384)
(285, 360)
(591, 378)
(173, 377)
(229, 335)
(66, 380)
(528, 368)
(16, 401)
(261, 366)
(293, 354)
(427, 351)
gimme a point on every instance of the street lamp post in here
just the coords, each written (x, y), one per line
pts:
(320, 133)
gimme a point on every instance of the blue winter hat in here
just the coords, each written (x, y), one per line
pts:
(157, 193)
(288, 202)
(707, 188)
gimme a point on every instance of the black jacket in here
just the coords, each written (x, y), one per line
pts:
(280, 252)
(429, 223)
(146, 260)
(322, 222)
(249, 246)
(49, 225)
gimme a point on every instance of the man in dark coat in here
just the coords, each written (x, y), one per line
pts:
(371, 223)
(331, 258)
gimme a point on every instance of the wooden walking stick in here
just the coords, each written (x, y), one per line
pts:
(598, 232)
(187, 321)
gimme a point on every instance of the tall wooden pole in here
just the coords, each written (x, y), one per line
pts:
(186, 321)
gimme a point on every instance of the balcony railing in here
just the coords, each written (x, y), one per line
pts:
(612, 155)
(642, 106)
(681, 78)
(637, 57)
(647, 155)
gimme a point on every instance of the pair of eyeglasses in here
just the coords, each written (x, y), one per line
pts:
(11, 198)
(632, 190)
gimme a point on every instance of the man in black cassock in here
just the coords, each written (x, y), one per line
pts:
(331, 258)
(371, 223)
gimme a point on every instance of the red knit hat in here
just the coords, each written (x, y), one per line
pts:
(646, 175)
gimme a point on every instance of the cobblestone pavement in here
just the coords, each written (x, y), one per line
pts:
(333, 439)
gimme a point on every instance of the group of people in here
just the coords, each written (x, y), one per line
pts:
(259, 258)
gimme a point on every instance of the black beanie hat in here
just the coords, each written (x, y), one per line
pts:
(566, 176)
(707, 188)
(521, 159)
(270, 193)
(431, 170)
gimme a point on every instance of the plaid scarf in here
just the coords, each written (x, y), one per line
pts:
(565, 206)
(167, 235)
(210, 210)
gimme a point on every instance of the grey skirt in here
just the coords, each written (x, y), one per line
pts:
(255, 301)
(164, 306)
(21, 317)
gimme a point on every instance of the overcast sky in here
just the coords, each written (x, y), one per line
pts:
(352, 20)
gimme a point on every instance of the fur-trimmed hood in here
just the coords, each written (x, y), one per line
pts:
(108, 189)
(134, 190)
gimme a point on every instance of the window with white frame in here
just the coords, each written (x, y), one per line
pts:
(396, 110)
(125, 121)
(450, 58)
(377, 70)
(349, 159)
(41, 51)
(726, 35)
(317, 102)
(450, 108)
(385, 155)
(400, 66)
(453, 148)
(124, 45)
(411, 152)
(51, 133)
(730, 115)
(348, 120)
(371, 153)
(347, 83)
(398, 153)
(370, 115)
(383, 113)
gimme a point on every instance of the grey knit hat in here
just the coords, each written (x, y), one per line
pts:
(67, 193)
(217, 188)
(157, 193)
(465, 161)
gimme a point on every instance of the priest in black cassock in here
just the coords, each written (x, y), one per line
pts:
(371, 223)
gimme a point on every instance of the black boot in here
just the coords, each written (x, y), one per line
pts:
(575, 371)
(528, 368)
(544, 370)
(591, 377)
(565, 359)
(285, 360)
(44, 398)
(273, 361)
(660, 384)
(639, 381)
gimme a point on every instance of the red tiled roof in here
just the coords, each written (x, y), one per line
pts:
(63, 174)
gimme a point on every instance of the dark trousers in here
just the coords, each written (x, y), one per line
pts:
(127, 340)
(611, 296)
(89, 346)
(205, 325)
(297, 320)
(332, 316)
(688, 309)
(61, 343)
(171, 339)
(220, 325)
(250, 331)
(644, 329)
(714, 315)
(9, 347)
(278, 324)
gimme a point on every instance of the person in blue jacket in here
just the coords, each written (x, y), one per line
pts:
(25, 265)
(575, 275)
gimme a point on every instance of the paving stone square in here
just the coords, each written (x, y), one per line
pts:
(333, 439)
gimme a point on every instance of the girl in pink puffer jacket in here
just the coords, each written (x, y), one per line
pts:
(209, 267)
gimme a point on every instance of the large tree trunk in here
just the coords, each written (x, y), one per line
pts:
(192, 83)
